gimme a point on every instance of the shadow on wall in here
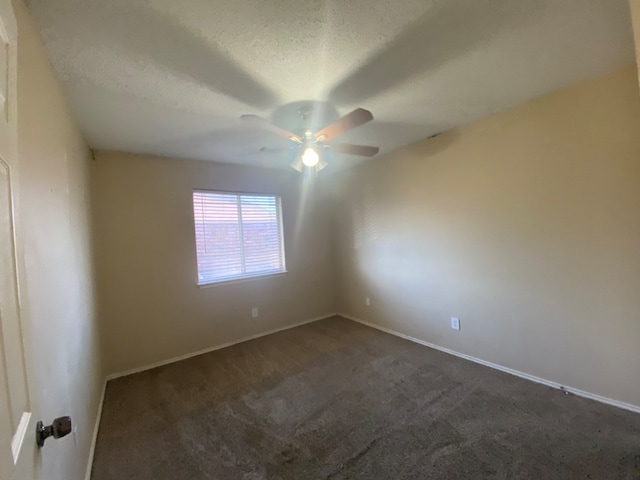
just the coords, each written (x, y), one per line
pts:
(445, 32)
(426, 149)
(379, 229)
(363, 211)
(364, 218)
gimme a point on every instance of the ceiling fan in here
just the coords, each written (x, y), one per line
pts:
(310, 145)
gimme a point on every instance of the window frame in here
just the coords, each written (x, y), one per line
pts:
(244, 277)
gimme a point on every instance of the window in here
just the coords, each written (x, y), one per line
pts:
(237, 235)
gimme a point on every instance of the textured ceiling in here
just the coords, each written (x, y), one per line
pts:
(173, 77)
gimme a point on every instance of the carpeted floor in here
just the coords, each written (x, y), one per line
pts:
(338, 400)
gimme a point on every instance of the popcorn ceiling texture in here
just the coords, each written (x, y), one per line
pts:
(172, 78)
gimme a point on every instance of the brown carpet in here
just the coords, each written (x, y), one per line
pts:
(338, 400)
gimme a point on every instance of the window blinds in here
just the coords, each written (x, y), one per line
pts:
(237, 235)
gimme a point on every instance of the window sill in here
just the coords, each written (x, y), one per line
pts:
(242, 279)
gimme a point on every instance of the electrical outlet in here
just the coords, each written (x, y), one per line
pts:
(254, 312)
(367, 302)
(455, 323)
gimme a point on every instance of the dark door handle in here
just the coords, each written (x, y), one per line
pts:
(61, 427)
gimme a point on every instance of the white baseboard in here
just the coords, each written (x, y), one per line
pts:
(526, 376)
(217, 347)
(92, 448)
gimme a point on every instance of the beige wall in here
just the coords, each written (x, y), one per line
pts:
(57, 278)
(149, 303)
(525, 225)
(635, 18)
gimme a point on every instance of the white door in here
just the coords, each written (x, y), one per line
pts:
(18, 451)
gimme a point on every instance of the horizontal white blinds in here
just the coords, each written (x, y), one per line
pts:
(237, 235)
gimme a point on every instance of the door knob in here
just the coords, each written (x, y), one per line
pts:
(61, 427)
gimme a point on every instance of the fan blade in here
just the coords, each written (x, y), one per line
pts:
(362, 150)
(358, 117)
(262, 123)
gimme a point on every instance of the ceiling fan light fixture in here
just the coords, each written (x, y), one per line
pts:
(297, 164)
(311, 145)
(310, 157)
